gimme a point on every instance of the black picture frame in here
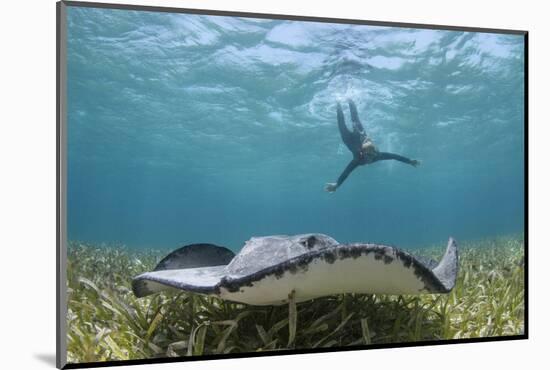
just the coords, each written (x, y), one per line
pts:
(61, 170)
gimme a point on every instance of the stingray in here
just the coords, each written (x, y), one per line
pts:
(272, 270)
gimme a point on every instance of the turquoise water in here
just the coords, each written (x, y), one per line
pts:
(187, 128)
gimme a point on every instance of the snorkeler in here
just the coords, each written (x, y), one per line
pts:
(361, 146)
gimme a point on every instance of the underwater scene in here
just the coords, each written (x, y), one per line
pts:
(237, 185)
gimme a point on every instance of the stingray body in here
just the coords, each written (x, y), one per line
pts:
(269, 269)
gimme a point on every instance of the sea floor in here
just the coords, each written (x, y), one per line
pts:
(107, 322)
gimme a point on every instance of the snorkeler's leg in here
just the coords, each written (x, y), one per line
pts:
(355, 117)
(345, 133)
(351, 139)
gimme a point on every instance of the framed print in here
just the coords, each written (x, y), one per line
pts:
(234, 184)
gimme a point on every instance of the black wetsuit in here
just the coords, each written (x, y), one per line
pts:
(354, 141)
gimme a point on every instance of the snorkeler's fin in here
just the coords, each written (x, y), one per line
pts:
(447, 269)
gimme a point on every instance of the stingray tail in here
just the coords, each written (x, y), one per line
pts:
(447, 270)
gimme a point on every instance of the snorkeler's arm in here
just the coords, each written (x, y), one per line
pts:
(349, 168)
(382, 156)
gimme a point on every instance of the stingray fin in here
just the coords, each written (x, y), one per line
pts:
(192, 259)
(447, 269)
(195, 280)
(145, 287)
(196, 255)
